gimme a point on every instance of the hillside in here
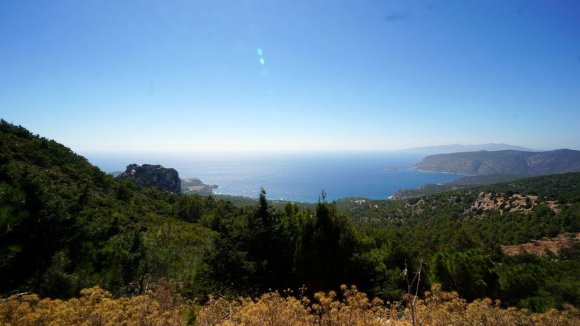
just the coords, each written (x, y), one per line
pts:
(503, 162)
(469, 222)
(463, 183)
(67, 226)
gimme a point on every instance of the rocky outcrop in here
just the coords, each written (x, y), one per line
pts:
(156, 176)
(542, 247)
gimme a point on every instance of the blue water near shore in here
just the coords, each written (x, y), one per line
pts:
(297, 177)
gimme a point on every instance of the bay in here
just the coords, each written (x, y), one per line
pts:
(293, 176)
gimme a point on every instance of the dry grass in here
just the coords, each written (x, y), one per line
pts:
(94, 307)
(350, 307)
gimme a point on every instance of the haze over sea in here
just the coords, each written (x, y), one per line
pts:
(296, 177)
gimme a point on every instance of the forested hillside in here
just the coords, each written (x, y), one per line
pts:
(460, 233)
(65, 225)
(503, 162)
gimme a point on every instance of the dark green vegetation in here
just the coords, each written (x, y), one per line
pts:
(484, 179)
(242, 201)
(461, 183)
(65, 225)
(503, 162)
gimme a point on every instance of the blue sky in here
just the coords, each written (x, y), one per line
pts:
(186, 76)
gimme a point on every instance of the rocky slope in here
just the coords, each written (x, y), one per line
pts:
(541, 247)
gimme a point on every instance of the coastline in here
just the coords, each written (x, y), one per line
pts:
(427, 171)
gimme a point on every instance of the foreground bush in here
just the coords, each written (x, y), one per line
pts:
(355, 308)
(350, 307)
(94, 307)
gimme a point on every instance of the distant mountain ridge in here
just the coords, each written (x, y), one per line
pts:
(514, 162)
(456, 148)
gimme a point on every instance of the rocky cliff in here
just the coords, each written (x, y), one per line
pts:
(147, 175)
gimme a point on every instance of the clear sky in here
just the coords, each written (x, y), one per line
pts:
(257, 75)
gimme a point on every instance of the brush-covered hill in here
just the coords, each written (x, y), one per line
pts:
(461, 235)
(503, 162)
(66, 225)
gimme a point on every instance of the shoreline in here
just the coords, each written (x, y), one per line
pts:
(443, 172)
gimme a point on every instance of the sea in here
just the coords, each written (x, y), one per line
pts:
(290, 176)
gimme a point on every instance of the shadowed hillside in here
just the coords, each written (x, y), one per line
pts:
(503, 162)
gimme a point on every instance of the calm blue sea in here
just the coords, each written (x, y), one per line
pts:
(297, 177)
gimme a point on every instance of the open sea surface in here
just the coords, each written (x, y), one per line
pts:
(296, 177)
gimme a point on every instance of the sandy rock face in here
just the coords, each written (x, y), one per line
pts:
(541, 247)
